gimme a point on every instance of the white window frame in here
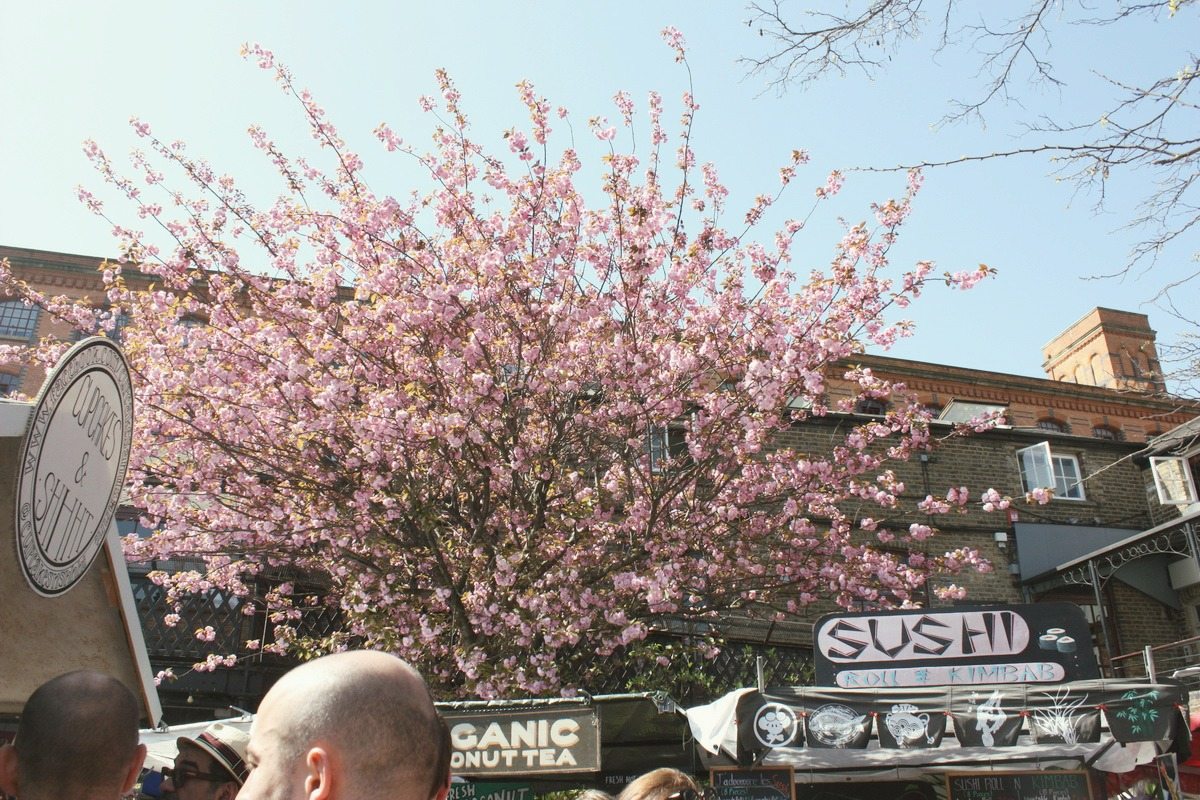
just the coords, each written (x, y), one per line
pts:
(1173, 480)
(1067, 487)
(1035, 465)
(661, 440)
(1041, 468)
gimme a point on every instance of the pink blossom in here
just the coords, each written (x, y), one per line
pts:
(674, 40)
(453, 403)
(833, 185)
(919, 532)
(1041, 496)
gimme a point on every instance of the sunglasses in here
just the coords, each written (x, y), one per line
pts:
(181, 776)
(707, 793)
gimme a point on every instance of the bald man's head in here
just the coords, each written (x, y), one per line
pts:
(371, 717)
(78, 737)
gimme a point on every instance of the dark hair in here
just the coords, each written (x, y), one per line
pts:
(77, 730)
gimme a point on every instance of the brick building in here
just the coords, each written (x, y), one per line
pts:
(1090, 429)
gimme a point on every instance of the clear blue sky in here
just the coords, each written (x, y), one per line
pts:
(69, 71)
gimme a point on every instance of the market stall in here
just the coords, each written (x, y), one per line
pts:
(975, 702)
(551, 744)
(828, 733)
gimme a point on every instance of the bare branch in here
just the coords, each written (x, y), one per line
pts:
(1150, 131)
(1003, 49)
(832, 43)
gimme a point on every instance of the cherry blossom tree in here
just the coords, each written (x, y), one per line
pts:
(498, 420)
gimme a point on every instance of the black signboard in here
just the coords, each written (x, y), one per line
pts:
(759, 783)
(496, 743)
(1042, 785)
(1046, 643)
(870, 790)
(494, 790)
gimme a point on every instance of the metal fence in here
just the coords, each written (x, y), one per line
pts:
(1179, 660)
(180, 635)
(667, 663)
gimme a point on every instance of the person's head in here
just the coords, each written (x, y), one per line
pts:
(77, 738)
(661, 784)
(210, 767)
(593, 794)
(350, 725)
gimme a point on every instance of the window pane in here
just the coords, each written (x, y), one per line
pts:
(656, 443)
(1036, 472)
(1066, 478)
(8, 383)
(871, 405)
(666, 444)
(1173, 480)
(17, 319)
(961, 411)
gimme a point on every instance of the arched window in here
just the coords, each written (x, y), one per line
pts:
(1051, 424)
(1107, 433)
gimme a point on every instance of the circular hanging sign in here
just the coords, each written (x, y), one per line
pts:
(72, 467)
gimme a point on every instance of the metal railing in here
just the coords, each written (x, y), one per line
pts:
(1180, 660)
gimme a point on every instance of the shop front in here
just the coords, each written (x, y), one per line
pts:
(518, 749)
(969, 703)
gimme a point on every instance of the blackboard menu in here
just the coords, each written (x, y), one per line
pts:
(759, 783)
(1040, 785)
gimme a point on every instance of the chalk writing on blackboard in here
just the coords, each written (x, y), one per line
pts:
(759, 783)
(1042, 785)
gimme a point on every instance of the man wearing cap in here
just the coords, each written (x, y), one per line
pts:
(210, 767)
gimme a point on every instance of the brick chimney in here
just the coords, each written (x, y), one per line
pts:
(1107, 348)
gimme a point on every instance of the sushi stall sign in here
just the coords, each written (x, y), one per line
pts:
(961, 645)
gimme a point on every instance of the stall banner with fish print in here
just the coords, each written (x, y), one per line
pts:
(838, 723)
(981, 716)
